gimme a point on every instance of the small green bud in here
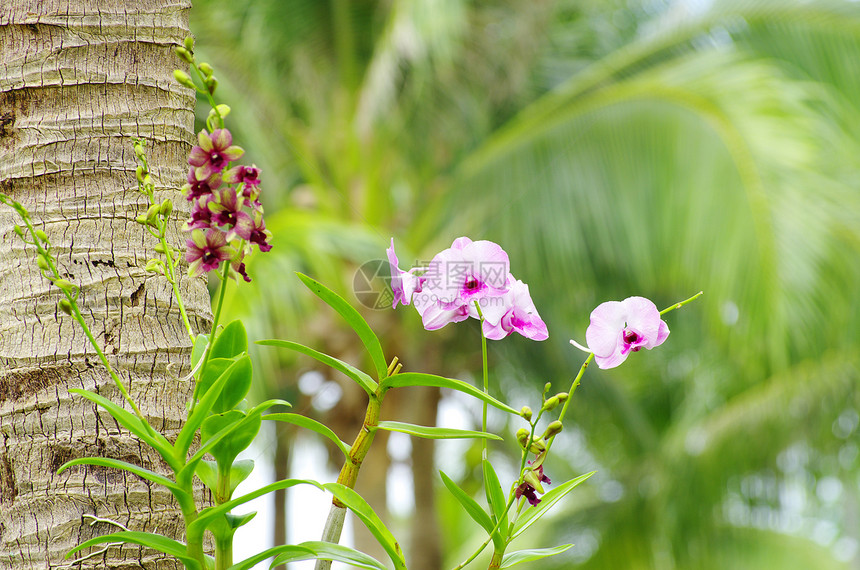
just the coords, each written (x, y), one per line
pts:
(139, 149)
(183, 79)
(155, 266)
(139, 173)
(552, 429)
(65, 285)
(550, 404)
(43, 237)
(43, 263)
(159, 248)
(141, 219)
(537, 445)
(189, 43)
(19, 231)
(206, 69)
(65, 306)
(223, 110)
(526, 413)
(532, 479)
(152, 212)
(522, 437)
(184, 54)
(166, 207)
(211, 84)
(562, 396)
(546, 387)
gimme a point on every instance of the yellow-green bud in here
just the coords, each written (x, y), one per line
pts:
(19, 231)
(139, 173)
(183, 79)
(43, 237)
(206, 69)
(526, 413)
(42, 263)
(546, 387)
(139, 150)
(223, 110)
(532, 479)
(523, 437)
(65, 306)
(550, 404)
(184, 54)
(552, 429)
(141, 219)
(159, 248)
(211, 84)
(562, 396)
(189, 43)
(152, 212)
(65, 285)
(166, 207)
(154, 266)
(537, 445)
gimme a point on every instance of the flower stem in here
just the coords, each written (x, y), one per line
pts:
(222, 287)
(486, 381)
(682, 303)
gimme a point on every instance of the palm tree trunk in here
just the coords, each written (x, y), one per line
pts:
(78, 81)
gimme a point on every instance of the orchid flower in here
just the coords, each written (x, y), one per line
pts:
(521, 316)
(404, 284)
(213, 153)
(620, 327)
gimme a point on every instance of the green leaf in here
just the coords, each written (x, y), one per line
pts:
(207, 471)
(209, 514)
(236, 521)
(404, 379)
(131, 468)
(371, 520)
(233, 390)
(432, 432)
(495, 497)
(133, 424)
(154, 541)
(335, 552)
(519, 556)
(230, 342)
(311, 424)
(236, 441)
(201, 411)
(547, 501)
(472, 508)
(366, 382)
(354, 320)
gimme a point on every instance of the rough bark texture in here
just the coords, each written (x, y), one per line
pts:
(79, 79)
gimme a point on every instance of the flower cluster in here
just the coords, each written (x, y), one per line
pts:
(226, 214)
(469, 279)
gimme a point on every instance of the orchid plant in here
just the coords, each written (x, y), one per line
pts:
(470, 279)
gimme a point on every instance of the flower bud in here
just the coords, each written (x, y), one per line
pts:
(211, 84)
(523, 437)
(65, 285)
(562, 396)
(159, 248)
(546, 387)
(206, 69)
(139, 173)
(537, 445)
(141, 219)
(42, 236)
(139, 150)
(183, 79)
(166, 207)
(42, 263)
(552, 429)
(223, 110)
(147, 180)
(184, 54)
(526, 413)
(550, 404)
(532, 479)
(189, 43)
(154, 266)
(65, 306)
(19, 231)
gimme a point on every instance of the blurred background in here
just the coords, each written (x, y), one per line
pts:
(612, 148)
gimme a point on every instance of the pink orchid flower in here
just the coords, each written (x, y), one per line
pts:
(620, 327)
(404, 284)
(521, 316)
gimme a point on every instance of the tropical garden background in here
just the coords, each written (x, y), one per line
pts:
(613, 148)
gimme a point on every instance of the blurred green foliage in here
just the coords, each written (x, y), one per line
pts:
(612, 148)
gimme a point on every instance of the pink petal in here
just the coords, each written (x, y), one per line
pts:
(607, 321)
(643, 317)
(221, 138)
(204, 141)
(611, 361)
(461, 242)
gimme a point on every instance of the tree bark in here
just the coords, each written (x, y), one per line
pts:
(79, 80)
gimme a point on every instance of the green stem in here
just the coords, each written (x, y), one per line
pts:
(681, 304)
(486, 380)
(222, 287)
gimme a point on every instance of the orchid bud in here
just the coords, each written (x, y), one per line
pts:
(532, 479)
(159, 248)
(206, 69)
(65, 306)
(147, 180)
(43, 237)
(552, 429)
(154, 266)
(65, 285)
(139, 173)
(211, 84)
(223, 110)
(562, 396)
(183, 79)
(184, 54)
(550, 404)
(537, 445)
(189, 43)
(152, 212)
(139, 150)
(546, 387)
(19, 231)
(526, 413)
(42, 263)
(523, 437)
(166, 207)
(141, 219)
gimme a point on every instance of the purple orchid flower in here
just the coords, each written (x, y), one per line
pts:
(404, 284)
(227, 211)
(620, 327)
(259, 234)
(521, 315)
(458, 277)
(206, 251)
(529, 491)
(195, 188)
(213, 153)
(201, 215)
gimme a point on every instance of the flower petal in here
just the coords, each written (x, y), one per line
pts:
(602, 335)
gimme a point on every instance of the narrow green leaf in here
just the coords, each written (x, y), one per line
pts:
(154, 541)
(420, 379)
(231, 341)
(354, 319)
(371, 520)
(432, 432)
(207, 515)
(366, 382)
(335, 552)
(547, 501)
(130, 467)
(133, 424)
(495, 496)
(470, 505)
(201, 411)
(519, 556)
(313, 425)
(287, 549)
